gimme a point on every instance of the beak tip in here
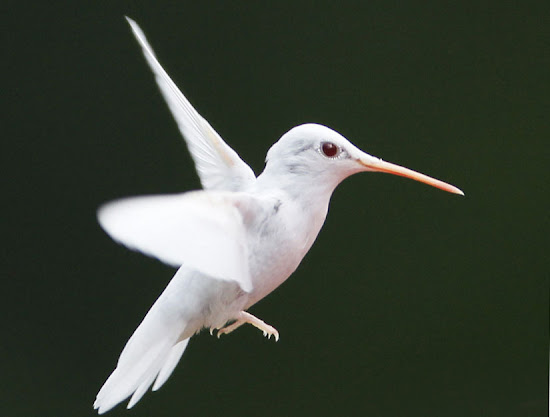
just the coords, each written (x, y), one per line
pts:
(377, 165)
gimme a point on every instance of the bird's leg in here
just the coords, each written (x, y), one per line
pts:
(229, 328)
(245, 317)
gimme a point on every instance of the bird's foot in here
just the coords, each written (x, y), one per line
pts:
(245, 317)
(229, 328)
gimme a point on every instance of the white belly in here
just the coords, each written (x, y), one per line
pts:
(278, 246)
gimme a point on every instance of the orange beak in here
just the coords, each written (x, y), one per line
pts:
(377, 165)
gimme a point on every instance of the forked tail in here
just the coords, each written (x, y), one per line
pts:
(149, 357)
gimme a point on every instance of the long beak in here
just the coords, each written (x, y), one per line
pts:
(377, 165)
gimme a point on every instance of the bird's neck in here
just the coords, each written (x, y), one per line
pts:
(306, 189)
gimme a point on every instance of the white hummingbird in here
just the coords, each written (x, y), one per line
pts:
(233, 243)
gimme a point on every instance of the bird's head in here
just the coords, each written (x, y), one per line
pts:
(317, 153)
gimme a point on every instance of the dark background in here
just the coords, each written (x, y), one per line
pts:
(413, 302)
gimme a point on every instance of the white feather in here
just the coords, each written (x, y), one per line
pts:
(159, 341)
(191, 228)
(239, 233)
(138, 365)
(219, 167)
(171, 362)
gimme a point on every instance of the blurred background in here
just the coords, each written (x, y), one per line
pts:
(412, 302)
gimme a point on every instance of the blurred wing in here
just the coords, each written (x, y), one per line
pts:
(203, 230)
(219, 167)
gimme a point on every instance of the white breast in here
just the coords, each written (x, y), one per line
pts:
(279, 240)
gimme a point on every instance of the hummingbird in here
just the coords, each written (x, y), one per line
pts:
(233, 242)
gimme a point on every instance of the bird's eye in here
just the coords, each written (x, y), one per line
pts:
(329, 149)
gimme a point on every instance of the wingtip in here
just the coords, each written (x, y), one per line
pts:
(135, 27)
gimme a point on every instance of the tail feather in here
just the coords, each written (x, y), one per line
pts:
(152, 353)
(170, 363)
(135, 378)
(142, 388)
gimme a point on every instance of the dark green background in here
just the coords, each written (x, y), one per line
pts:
(413, 302)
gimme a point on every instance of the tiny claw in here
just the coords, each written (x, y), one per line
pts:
(211, 331)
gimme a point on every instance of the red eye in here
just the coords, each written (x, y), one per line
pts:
(330, 149)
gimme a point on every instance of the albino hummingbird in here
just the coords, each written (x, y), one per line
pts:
(234, 242)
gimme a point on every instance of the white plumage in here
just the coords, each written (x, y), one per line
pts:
(233, 243)
(172, 228)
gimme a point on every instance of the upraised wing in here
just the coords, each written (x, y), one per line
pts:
(219, 167)
(203, 230)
